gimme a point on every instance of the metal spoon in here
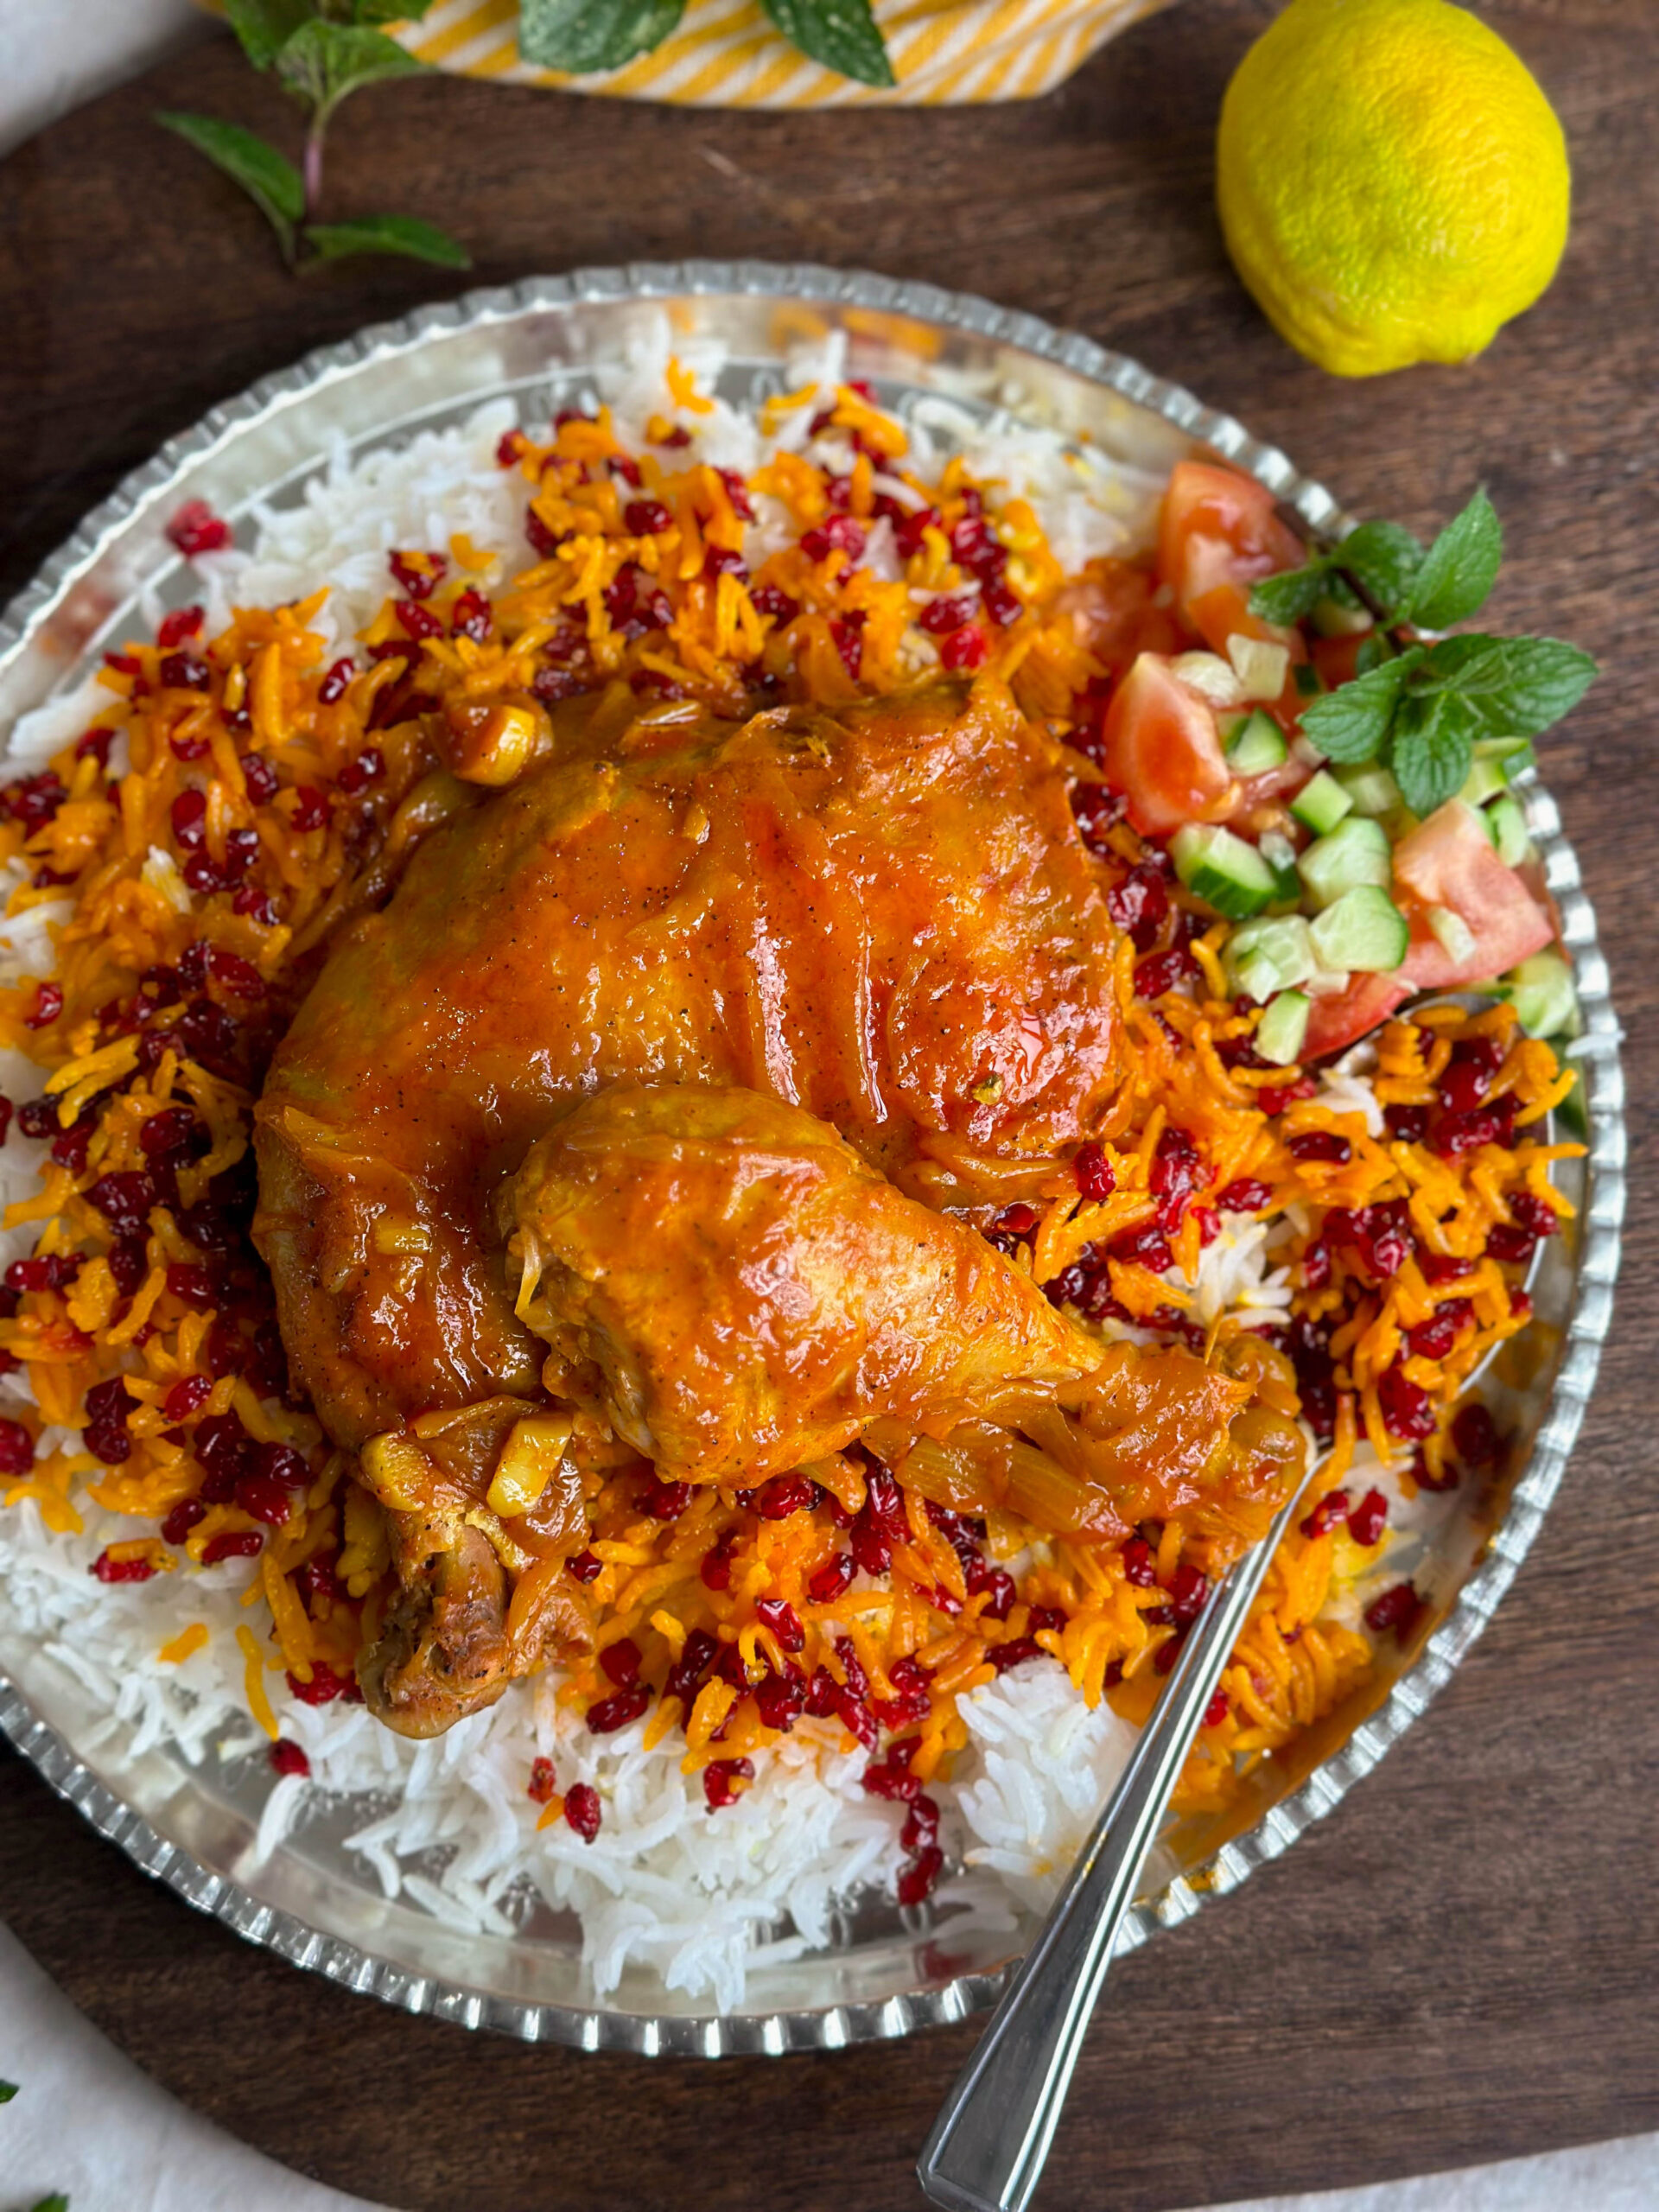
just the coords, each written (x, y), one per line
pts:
(991, 2139)
(990, 2142)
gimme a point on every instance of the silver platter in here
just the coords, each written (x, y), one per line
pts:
(888, 1972)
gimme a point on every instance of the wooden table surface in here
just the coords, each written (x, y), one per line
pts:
(1458, 1965)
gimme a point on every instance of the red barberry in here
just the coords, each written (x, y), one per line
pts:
(582, 1810)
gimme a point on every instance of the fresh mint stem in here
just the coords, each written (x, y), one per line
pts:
(312, 169)
(321, 52)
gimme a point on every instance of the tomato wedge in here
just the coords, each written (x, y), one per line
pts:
(1163, 751)
(1218, 534)
(1339, 1019)
(1449, 862)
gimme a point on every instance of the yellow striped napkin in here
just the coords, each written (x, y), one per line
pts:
(726, 53)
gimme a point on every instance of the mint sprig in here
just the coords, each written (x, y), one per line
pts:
(269, 178)
(404, 234)
(1513, 687)
(585, 35)
(1419, 707)
(1458, 570)
(265, 27)
(320, 51)
(1352, 724)
(1379, 561)
(321, 62)
(1430, 747)
(1420, 713)
(1394, 575)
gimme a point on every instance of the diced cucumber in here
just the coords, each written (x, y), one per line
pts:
(1280, 1033)
(1484, 778)
(1321, 803)
(1327, 982)
(1280, 856)
(1266, 957)
(1339, 611)
(1372, 789)
(1508, 827)
(1541, 991)
(1456, 939)
(1260, 665)
(1334, 620)
(1515, 754)
(1222, 870)
(1572, 1112)
(1362, 931)
(1210, 677)
(1255, 744)
(1255, 979)
(1306, 678)
(1356, 852)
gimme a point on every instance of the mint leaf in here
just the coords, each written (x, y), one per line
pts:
(583, 36)
(1459, 568)
(265, 27)
(1379, 557)
(1285, 599)
(386, 11)
(1385, 559)
(841, 34)
(59, 2203)
(1514, 687)
(1430, 750)
(8, 2091)
(271, 181)
(1350, 723)
(322, 62)
(403, 234)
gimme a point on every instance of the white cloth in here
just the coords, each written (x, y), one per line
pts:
(84, 2121)
(1621, 2177)
(55, 54)
(87, 2123)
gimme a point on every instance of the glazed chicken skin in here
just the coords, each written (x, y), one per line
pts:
(735, 1291)
(885, 916)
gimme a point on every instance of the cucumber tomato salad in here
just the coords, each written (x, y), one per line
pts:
(1327, 772)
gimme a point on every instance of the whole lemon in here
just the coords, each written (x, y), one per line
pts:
(1393, 184)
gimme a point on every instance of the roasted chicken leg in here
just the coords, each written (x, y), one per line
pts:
(729, 1285)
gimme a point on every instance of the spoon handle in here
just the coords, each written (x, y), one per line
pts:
(988, 2146)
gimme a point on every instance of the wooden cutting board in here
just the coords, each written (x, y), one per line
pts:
(1458, 1965)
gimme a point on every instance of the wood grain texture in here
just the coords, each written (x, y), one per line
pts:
(1457, 1965)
